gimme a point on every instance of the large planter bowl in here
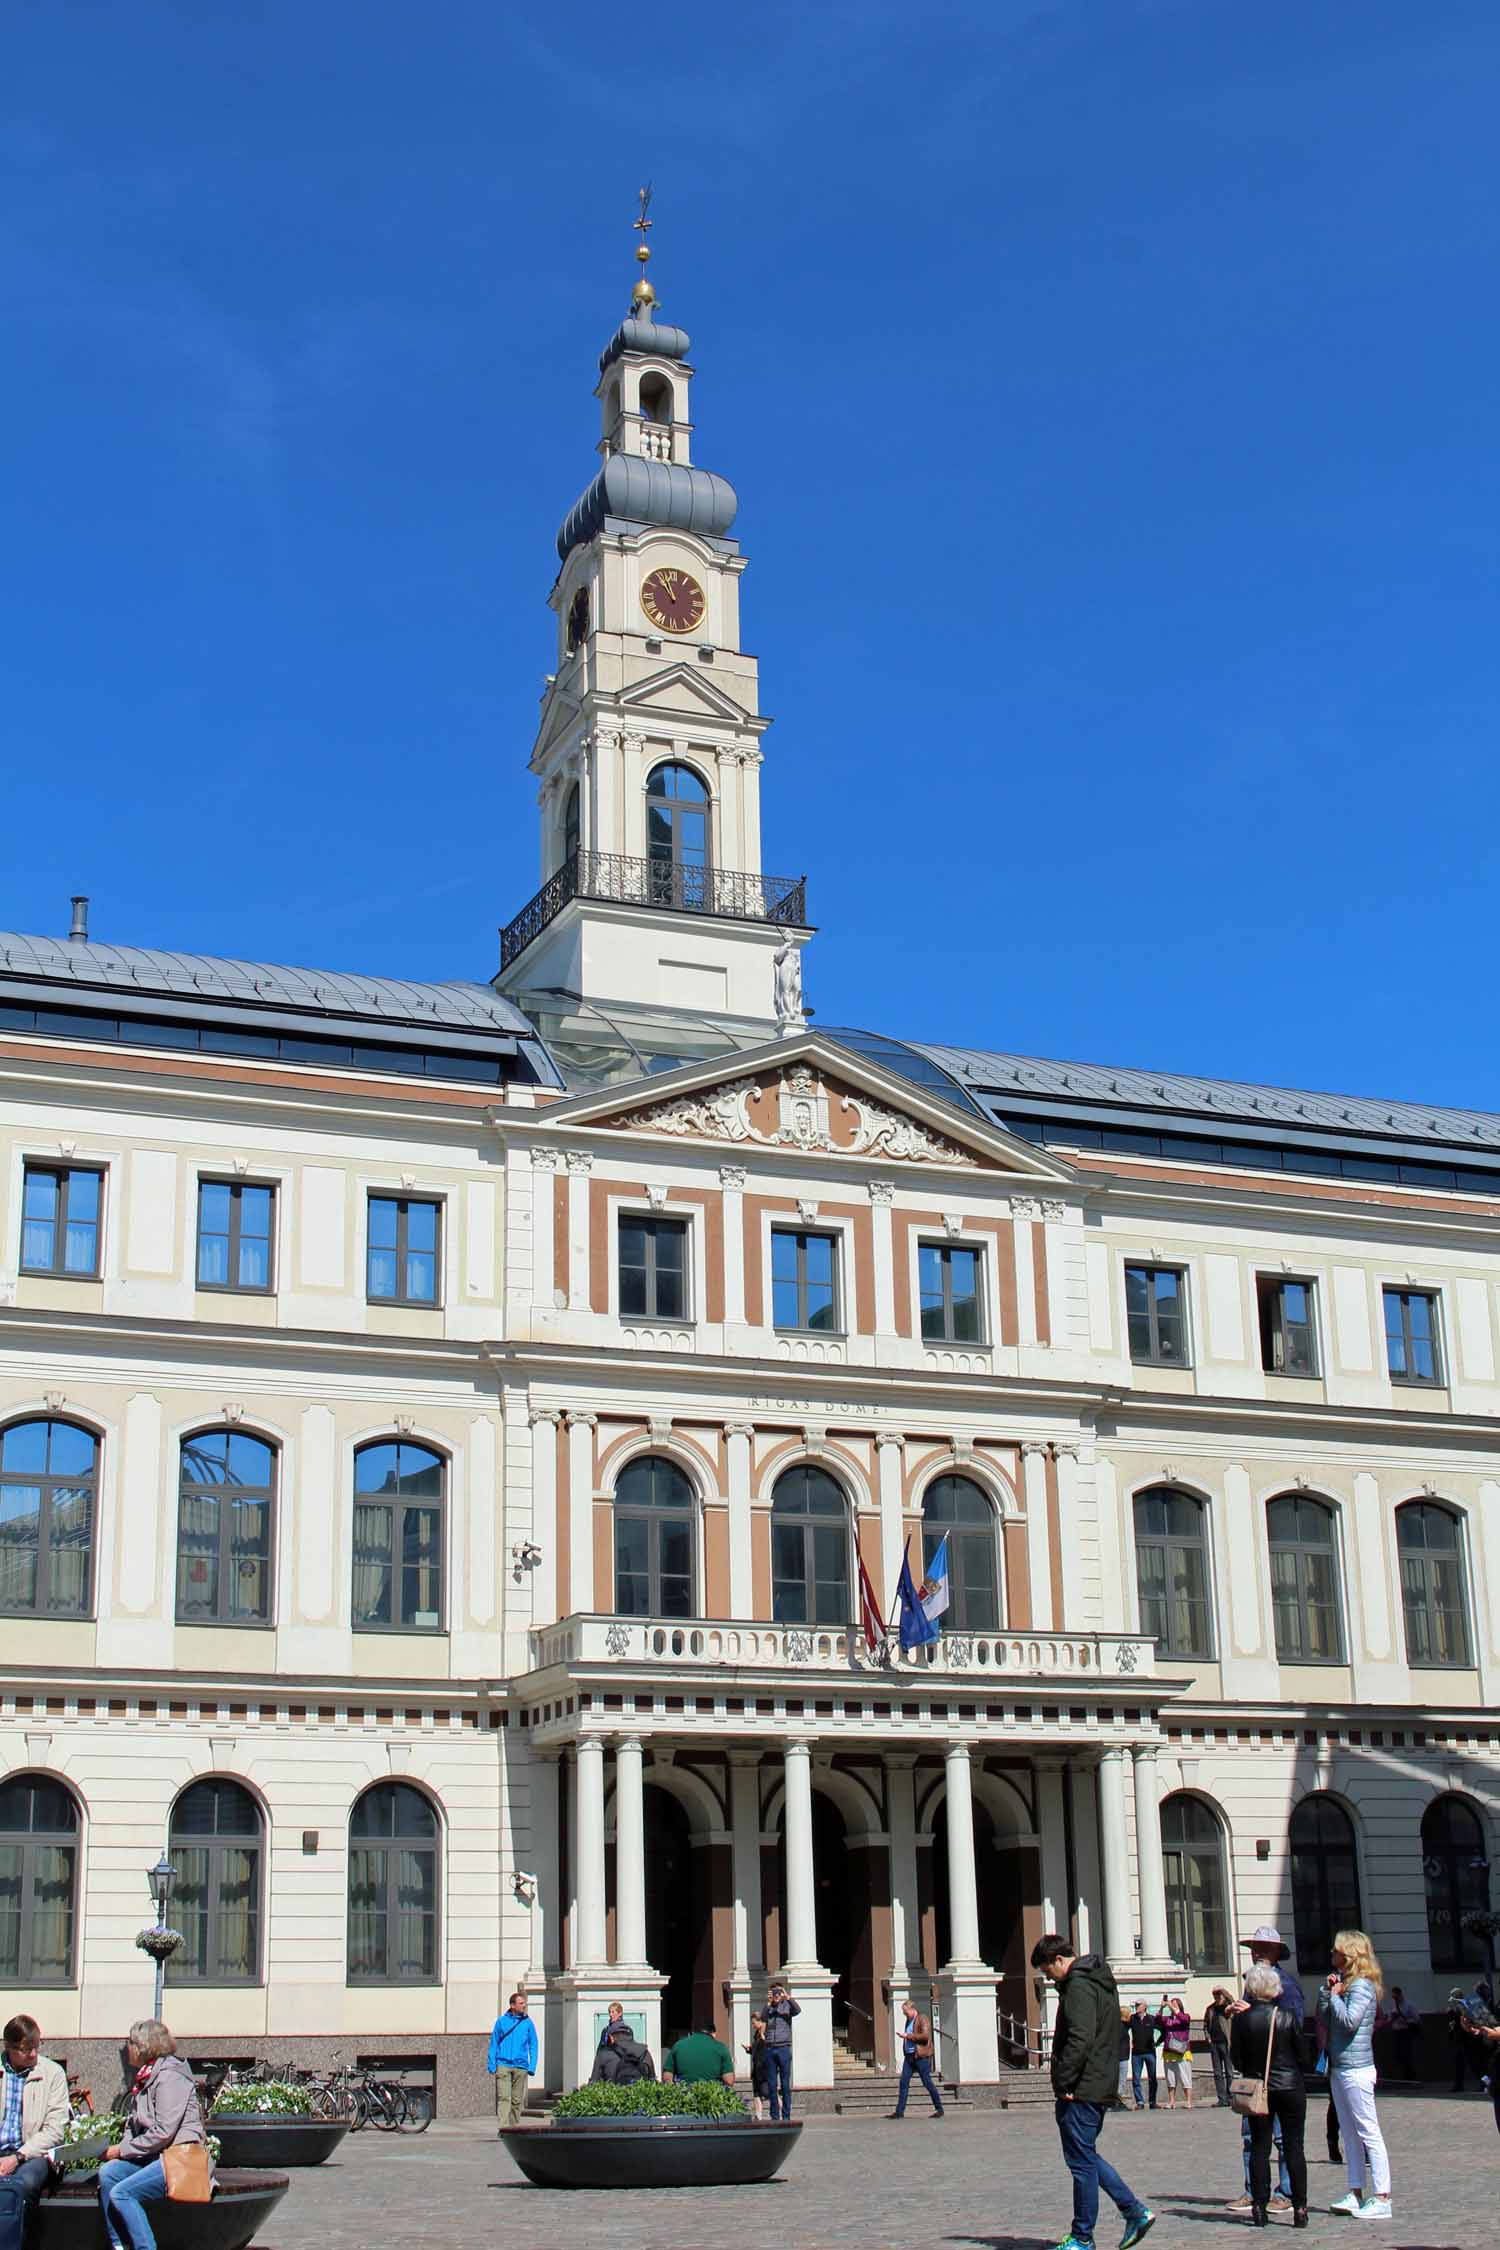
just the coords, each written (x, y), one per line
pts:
(650, 2152)
(69, 2219)
(276, 2144)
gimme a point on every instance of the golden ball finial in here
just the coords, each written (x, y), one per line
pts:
(643, 294)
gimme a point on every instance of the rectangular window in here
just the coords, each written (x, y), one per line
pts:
(1411, 1336)
(1288, 1329)
(1156, 1315)
(949, 1280)
(653, 1268)
(235, 1227)
(804, 1280)
(60, 1207)
(401, 1258)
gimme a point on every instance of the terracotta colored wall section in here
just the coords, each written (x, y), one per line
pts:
(560, 1232)
(1017, 1578)
(716, 1560)
(760, 1561)
(604, 1556)
(1039, 1276)
(867, 1533)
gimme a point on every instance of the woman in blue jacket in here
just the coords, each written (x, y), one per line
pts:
(1346, 2004)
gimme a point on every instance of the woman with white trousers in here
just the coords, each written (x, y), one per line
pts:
(1347, 2003)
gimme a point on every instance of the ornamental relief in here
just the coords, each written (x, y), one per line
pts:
(803, 1121)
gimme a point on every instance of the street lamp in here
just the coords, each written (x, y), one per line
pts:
(160, 1941)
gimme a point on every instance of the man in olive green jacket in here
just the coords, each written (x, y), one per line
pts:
(1085, 2073)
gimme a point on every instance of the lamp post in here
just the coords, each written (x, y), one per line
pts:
(160, 1941)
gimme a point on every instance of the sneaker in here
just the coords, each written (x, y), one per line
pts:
(1136, 2229)
(1279, 2202)
(1374, 2207)
(1347, 2206)
(1074, 2242)
(1241, 2203)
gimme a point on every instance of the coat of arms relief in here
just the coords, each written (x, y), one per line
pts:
(802, 1121)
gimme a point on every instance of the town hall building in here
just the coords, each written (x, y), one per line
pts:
(444, 1428)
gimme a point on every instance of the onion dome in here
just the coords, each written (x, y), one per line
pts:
(655, 492)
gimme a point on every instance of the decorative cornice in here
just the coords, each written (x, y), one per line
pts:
(722, 1113)
(580, 1162)
(545, 1159)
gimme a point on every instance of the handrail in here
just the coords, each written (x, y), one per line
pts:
(680, 885)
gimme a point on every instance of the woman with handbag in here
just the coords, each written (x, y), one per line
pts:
(1177, 2050)
(1267, 2057)
(164, 2151)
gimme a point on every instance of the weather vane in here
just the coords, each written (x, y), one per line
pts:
(643, 296)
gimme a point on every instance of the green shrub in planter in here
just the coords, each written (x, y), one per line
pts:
(89, 2131)
(650, 2098)
(268, 2098)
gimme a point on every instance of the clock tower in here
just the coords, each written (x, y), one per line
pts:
(654, 916)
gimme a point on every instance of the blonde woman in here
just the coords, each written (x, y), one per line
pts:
(163, 2110)
(1347, 2002)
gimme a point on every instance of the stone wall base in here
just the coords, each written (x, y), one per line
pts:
(464, 2087)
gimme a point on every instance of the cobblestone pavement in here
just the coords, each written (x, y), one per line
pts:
(988, 2181)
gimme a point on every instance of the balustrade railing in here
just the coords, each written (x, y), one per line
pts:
(710, 1642)
(676, 884)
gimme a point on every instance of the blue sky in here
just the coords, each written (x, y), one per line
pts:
(1109, 388)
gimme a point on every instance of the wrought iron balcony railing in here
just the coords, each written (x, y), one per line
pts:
(671, 883)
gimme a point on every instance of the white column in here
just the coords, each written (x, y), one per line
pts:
(888, 1449)
(1067, 1532)
(588, 1848)
(543, 1280)
(963, 1892)
(739, 1436)
(1150, 1875)
(547, 1595)
(747, 1963)
(801, 1936)
(1114, 1860)
(901, 1819)
(630, 1851)
(732, 1181)
(580, 1164)
(1057, 1907)
(1038, 1542)
(882, 1196)
(582, 1591)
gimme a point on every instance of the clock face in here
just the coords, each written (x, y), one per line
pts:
(673, 600)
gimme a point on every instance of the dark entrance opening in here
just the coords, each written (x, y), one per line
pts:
(674, 1907)
(998, 1878)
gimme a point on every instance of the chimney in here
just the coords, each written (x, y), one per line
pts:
(79, 933)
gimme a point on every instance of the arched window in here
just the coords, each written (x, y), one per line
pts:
(1325, 1879)
(955, 1507)
(49, 1481)
(1171, 1571)
(393, 1887)
(1305, 1583)
(809, 1549)
(225, 1497)
(1192, 1844)
(1456, 1870)
(656, 398)
(654, 1530)
(398, 1538)
(677, 836)
(1429, 1541)
(38, 1880)
(215, 1843)
(571, 824)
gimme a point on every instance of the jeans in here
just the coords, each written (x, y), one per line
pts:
(1139, 2063)
(126, 2186)
(922, 2065)
(779, 2083)
(1287, 2121)
(1364, 2144)
(1078, 2126)
(17, 2194)
(1283, 2176)
(510, 2095)
(1220, 2055)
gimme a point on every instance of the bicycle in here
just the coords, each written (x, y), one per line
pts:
(417, 2107)
(384, 2102)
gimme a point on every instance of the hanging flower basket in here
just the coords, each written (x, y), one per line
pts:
(159, 1943)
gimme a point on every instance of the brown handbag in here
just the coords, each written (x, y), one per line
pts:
(1251, 2097)
(189, 2172)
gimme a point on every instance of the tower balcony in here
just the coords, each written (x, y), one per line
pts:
(677, 886)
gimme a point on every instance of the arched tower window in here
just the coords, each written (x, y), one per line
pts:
(571, 829)
(49, 1481)
(1325, 1879)
(955, 1507)
(225, 1498)
(1171, 1569)
(653, 1540)
(38, 1880)
(1192, 1843)
(1305, 1584)
(677, 838)
(394, 1850)
(656, 398)
(217, 1846)
(1434, 1596)
(809, 1549)
(1455, 1869)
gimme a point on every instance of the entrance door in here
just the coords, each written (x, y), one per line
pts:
(673, 1907)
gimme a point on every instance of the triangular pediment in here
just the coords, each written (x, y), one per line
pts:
(806, 1096)
(682, 691)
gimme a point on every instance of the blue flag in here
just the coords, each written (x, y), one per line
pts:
(917, 1628)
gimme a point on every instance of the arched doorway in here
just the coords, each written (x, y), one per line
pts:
(850, 1887)
(675, 1908)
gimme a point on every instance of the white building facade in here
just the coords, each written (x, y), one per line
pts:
(444, 1431)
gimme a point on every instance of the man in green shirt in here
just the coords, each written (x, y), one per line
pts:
(698, 2059)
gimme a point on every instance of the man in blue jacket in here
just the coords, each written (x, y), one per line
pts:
(512, 2059)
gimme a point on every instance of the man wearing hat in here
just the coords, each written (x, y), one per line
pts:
(1267, 1944)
